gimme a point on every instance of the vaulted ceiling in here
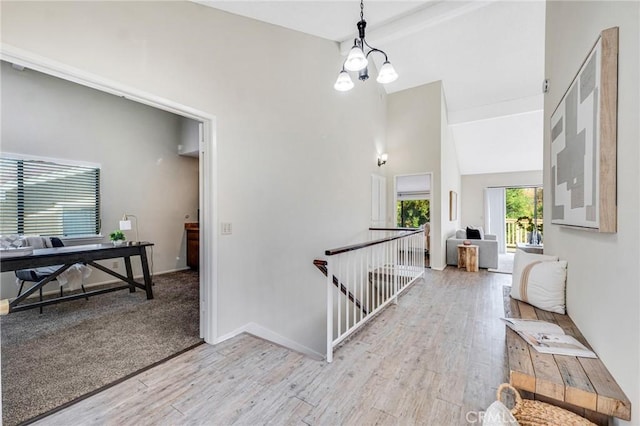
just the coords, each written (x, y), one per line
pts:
(488, 54)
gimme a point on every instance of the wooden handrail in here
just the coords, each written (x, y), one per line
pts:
(353, 247)
(322, 266)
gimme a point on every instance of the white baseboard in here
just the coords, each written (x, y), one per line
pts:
(269, 335)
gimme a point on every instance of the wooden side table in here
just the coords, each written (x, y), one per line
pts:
(468, 257)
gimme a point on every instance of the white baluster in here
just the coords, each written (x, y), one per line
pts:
(396, 270)
(330, 310)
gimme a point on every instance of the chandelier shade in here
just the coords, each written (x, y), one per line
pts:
(358, 60)
(387, 73)
(344, 82)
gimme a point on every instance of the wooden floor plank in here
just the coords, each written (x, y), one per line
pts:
(435, 356)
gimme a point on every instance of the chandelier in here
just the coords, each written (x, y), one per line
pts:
(357, 61)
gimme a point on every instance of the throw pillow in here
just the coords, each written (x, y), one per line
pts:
(539, 280)
(498, 414)
(461, 234)
(11, 241)
(473, 234)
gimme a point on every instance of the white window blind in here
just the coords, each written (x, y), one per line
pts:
(45, 198)
(413, 187)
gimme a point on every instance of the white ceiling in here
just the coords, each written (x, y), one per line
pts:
(488, 54)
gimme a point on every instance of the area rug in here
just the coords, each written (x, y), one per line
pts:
(74, 348)
(505, 264)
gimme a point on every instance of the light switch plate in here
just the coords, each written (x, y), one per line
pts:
(225, 228)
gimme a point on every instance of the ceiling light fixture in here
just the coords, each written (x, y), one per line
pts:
(357, 61)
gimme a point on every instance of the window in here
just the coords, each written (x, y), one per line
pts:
(412, 194)
(413, 213)
(45, 198)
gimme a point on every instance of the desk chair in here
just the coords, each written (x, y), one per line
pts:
(32, 275)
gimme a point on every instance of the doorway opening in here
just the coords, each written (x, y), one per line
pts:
(523, 216)
(514, 214)
(205, 210)
(412, 196)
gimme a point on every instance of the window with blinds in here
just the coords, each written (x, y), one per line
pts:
(413, 193)
(46, 198)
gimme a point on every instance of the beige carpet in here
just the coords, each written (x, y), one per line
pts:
(76, 347)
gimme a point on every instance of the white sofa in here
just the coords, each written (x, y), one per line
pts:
(487, 249)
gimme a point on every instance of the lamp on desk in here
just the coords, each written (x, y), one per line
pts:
(125, 224)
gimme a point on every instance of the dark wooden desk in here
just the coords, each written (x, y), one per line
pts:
(86, 254)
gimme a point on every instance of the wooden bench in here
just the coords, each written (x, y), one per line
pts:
(581, 385)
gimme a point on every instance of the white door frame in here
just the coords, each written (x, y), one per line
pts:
(208, 190)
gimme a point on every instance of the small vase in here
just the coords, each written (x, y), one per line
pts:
(118, 242)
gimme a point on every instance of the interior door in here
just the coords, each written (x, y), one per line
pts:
(378, 201)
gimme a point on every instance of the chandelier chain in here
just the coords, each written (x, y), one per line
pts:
(362, 10)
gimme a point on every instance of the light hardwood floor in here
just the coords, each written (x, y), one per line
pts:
(434, 359)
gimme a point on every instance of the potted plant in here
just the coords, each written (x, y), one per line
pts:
(117, 237)
(534, 233)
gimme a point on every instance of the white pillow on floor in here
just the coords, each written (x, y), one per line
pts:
(539, 280)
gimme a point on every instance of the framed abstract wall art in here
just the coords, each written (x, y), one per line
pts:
(583, 143)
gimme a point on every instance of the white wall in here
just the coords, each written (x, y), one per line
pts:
(189, 137)
(603, 296)
(419, 141)
(294, 156)
(450, 172)
(136, 146)
(473, 186)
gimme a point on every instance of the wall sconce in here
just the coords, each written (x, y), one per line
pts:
(125, 224)
(382, 159)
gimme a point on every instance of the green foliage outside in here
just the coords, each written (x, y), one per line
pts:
(412, 213)
(520, 203)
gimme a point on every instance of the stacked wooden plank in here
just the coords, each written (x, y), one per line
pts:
(582, 385)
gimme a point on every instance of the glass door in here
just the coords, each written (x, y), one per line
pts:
(524, 216)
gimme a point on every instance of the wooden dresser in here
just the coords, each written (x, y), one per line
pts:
(193, 244)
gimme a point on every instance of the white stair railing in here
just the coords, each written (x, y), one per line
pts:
(363, 279)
